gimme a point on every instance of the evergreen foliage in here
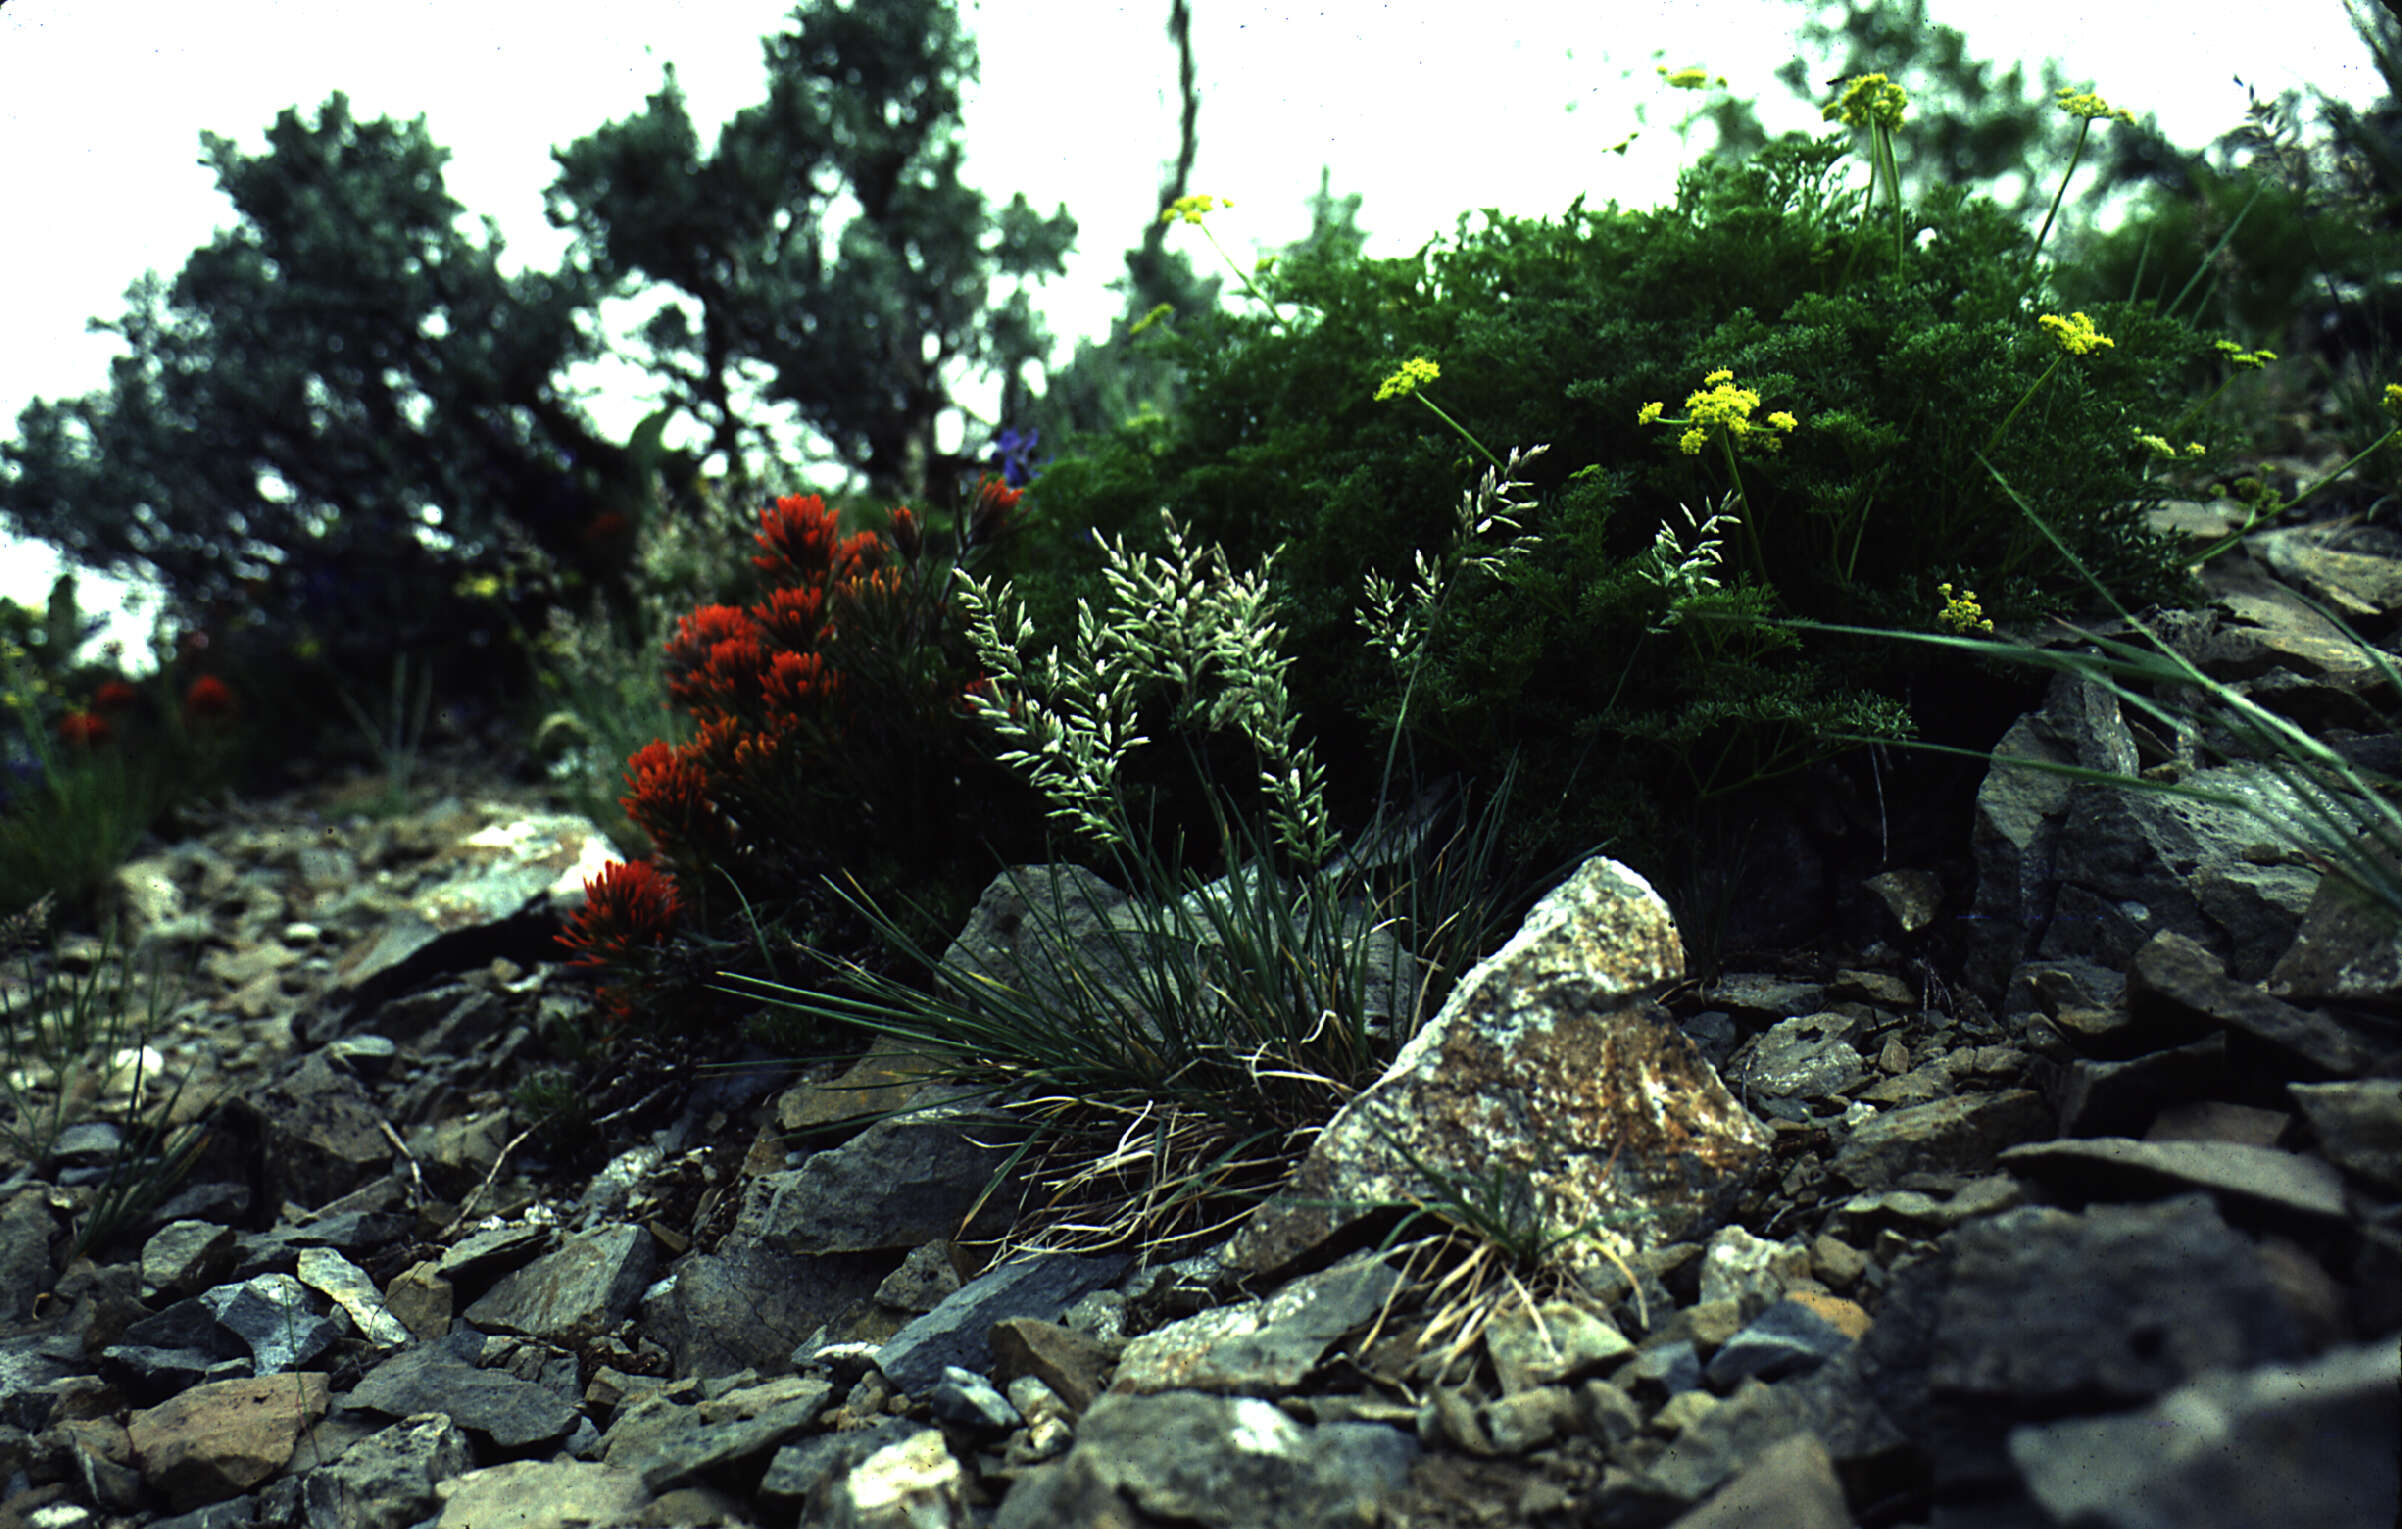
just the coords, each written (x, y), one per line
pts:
(861, 320)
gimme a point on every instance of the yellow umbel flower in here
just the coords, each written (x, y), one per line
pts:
(2154, 444)
(2392, 402)
(1960, 612)
(1718, 404)
(1690, 79)
(1868, 98)
(2084, 103)
(1414, 373)
(1192, 208)
(2076, 334)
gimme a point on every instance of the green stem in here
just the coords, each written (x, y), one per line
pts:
(1881, 141)
(1240, 275)
(2031, 391)
(1751, 533)
(1462, 429)
(2084, 126)
(2374, 447)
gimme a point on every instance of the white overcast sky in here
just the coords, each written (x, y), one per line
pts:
(1425, 108)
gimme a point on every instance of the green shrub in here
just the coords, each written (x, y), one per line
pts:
(1906, 347)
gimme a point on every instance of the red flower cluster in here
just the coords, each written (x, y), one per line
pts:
(826, 713)
(208, 699)
(630, 912)
(758, 682)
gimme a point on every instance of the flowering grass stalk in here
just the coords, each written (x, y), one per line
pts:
(1182, 1052)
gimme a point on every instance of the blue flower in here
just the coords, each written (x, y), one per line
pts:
(1013, 453)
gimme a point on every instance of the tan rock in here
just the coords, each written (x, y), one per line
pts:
(224, 1438)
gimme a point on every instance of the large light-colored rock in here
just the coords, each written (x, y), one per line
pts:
(1550, 1066)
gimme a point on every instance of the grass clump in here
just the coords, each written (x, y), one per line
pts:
(70, 1054)
(1166, 1064)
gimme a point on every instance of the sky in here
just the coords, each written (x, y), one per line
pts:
(1420, 112)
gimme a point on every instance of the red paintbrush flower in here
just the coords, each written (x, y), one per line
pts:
(115, 695)
(82, 729)
(988, 519)
(208, 698)
(800, 546)
(797, 683)
(696, 675)
(670, 799)
(792, 619)
(628, 908)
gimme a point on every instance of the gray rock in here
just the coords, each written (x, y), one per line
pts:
(900, 1183)
(387, 1480)
(1269, 1345)
(2358, 1126)
(1807, 1057)
(2281, 1444)
(2244, 1177)
(800, 1468)
(748, 1306)
(590, 1283)
(511, 1413)
(1955, 1135)
(1786, 1339)
(1225, 1462)
(668, 1443)
(280, 1320)
(1791, 1483)
(965, 1399)
(958, 1332)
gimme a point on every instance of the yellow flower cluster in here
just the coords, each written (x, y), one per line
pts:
(1414, 373)
(2076, 334)
(2247, 360)
(2159, 446)
(2392, 402)
(1191, 208)
(2084, 103)
(1868, 98)
(1690, 79)
(11, 657)
(1719, 404)
(1960, 612)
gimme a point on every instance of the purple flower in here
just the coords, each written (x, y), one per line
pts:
(1013, 453)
